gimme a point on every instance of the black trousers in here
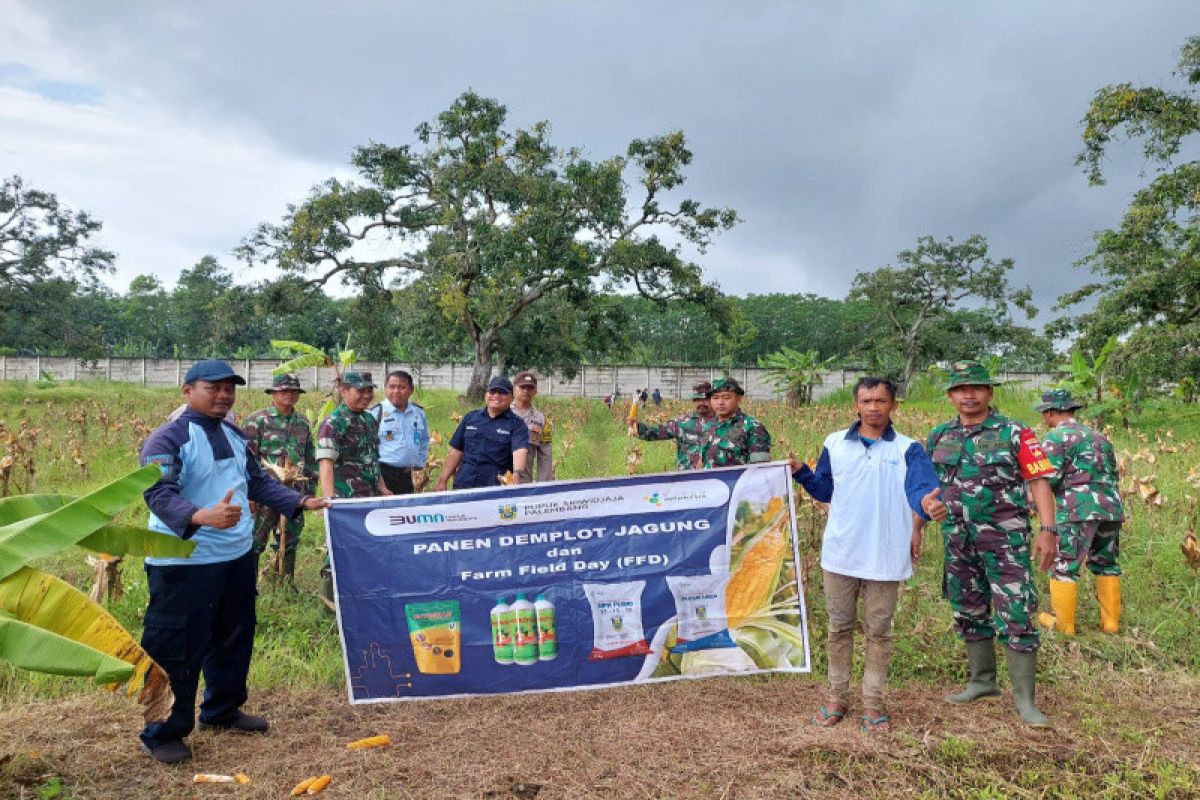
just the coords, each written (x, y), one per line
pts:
(398, 480)
(201, 620)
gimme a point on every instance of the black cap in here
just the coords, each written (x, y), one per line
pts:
(213, 370)
(500, 383)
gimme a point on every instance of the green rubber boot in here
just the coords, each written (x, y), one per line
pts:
(1022, 671)
(981, 658)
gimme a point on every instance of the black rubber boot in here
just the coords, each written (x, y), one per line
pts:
(1022, 671)
(981, 659)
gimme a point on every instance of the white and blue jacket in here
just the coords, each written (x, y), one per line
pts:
(871, 487)
(202, 458)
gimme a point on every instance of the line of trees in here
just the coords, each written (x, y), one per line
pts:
(497, 246)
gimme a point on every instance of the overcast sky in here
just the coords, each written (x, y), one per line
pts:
(839, 131)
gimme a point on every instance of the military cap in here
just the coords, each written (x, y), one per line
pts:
(969, 373)
(358, 380)
(1058, 400)
(726, 385)
(701, 390)
(525, 378)
(499, 383)
(282, 383)
(212, 369)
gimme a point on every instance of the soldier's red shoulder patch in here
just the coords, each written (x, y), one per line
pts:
(1032, 458)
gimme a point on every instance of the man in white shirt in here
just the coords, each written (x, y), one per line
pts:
(875, 481)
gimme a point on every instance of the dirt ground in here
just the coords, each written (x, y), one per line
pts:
(724, 738)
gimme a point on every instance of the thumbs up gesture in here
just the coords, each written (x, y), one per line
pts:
(221, 515)
(933, 506)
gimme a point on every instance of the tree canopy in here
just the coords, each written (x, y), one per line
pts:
(488, 223)
(1147, 269)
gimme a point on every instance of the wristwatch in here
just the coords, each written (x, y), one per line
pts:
(1049, 529)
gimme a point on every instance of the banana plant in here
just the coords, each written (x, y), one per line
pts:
(46, 624)
(301, 356)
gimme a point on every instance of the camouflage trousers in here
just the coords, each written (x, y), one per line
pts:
(988, 580)
(1097, 542)
(266, 521)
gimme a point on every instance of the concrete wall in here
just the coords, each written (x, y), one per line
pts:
(591, 381)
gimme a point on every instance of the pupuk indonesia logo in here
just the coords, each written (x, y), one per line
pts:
(653, 499)
(508, 511)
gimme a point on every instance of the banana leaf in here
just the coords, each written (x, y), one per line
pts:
(38, 650)
(130, 540)
(40, 599)
(22, 506)
(29, 539)
(302, 362)
(299, 347)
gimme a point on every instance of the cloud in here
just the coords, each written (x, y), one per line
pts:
(840, 133)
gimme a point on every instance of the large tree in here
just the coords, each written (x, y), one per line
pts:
(1147, 269)
(491, 222)
(930, 283)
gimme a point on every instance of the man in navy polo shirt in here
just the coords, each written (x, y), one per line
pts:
(201, 612)
(875, 480)
(488, 443)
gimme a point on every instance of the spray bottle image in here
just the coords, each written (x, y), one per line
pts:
(502, 632)
(546, 630)
(525, 647)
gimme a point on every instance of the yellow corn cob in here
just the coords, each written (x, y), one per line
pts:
(371, 741)
(318, 786)
(302, 787)
(751, 587)
(208, 777)
(241, 777)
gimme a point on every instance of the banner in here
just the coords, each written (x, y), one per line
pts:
(569, 585)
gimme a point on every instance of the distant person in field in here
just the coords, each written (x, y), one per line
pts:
(201, 618)
(734, 438)
(875, 480)
(656, 396)
(403, 433)
(348, 452)
(489, 443)
(540, 464)
(689, 431)
(1089, 513)
(989, 466)
(281, 435)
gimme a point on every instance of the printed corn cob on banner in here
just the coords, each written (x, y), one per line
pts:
(569, 585)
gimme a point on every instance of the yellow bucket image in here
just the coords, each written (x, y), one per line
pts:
(435, 631)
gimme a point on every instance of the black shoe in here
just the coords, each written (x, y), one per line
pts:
(245, 723)
(169, 752)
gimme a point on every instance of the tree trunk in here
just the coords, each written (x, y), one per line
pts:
(481, 371)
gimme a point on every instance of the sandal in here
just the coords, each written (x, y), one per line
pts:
(824, 718)
(879, 724)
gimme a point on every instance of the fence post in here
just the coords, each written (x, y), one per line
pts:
(143, 370)
(178, 371)
(3, 368)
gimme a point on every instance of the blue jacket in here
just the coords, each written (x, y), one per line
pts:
(487, 446)
(202, 458)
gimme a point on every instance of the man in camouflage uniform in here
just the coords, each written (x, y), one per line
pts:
(280, 435)
(348, 452)
(733, 438)
(1090, 513)
(984, 463)
(688, 431)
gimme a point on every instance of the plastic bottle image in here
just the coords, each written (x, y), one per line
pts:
(502, 632)
(547, 632)
(525, 647)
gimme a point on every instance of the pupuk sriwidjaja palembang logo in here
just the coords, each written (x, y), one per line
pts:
(508, 511)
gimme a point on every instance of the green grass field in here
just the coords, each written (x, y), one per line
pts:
(71, 437)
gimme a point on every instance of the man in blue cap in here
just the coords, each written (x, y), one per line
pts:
(201, 616)
(489, 443)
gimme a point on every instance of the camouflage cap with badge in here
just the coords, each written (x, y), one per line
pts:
(969, 373)
(358, 380)
(727, 385)
(1057, 400)
(284, 383)
(701, 390)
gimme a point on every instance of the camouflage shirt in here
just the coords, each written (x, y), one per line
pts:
(737, 440)
(983, 468)
(273, 437)
(351, 440)
(1085, 474)
(690, 434)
